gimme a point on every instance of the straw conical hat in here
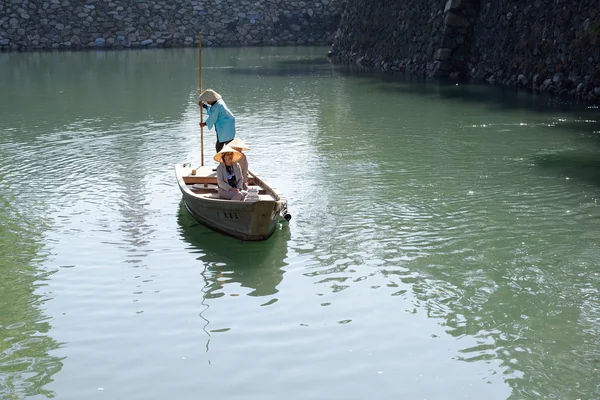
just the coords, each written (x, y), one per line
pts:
(209, 95)
(226, 149)
(238, 143)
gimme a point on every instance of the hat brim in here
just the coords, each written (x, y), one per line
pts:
(209, 95)
(237, 156)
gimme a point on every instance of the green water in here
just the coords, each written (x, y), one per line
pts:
(444, 240)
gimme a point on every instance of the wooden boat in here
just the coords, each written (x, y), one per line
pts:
(245, 220)
(253, 219)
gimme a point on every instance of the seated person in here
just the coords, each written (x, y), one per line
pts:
(229, 174)
(238, 145)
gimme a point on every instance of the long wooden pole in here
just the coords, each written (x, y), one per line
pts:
(201, 112)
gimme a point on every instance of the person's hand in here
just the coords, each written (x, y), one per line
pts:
(202, 124)
(236, 190)
(200, 103)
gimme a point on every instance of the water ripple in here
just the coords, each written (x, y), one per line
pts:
(458, 239)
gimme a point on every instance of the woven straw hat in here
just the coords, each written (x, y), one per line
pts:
(238, 143)
(226, 149)
(209, 95)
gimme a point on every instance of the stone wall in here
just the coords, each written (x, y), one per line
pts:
(29, 25)
(539, 45)
(390, 35)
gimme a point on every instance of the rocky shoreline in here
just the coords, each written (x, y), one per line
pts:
(28, 25)
(543, 46)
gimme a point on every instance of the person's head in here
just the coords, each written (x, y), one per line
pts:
(238, 145)
(209, 96)
(228, 156)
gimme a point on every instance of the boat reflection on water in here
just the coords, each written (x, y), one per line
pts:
(254, 265)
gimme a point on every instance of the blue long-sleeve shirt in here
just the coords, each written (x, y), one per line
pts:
(222, 119)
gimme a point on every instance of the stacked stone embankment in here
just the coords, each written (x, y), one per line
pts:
(540, 45)
(391, 36)
(31, 25)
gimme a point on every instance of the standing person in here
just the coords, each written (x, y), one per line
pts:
(219, 116)
(229, 174)
(238, 145)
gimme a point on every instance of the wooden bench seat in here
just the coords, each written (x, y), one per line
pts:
(192, 180)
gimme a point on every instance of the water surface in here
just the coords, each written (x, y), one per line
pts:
(444, 240)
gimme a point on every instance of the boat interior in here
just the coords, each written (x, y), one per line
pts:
(207, 186)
